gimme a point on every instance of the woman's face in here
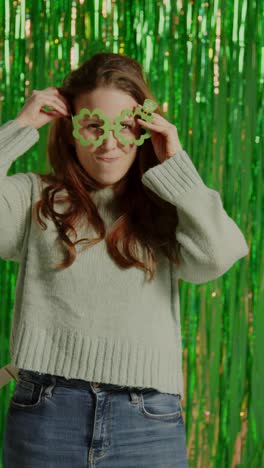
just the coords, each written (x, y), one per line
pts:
(112, 102)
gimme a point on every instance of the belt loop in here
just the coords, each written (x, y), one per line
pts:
(49, 389)
(134, 397)
(93, 388)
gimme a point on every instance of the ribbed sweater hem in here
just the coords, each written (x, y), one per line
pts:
(114, 360)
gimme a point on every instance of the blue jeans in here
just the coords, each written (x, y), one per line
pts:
(54, 422)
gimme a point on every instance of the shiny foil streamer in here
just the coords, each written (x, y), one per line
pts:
(205, 64)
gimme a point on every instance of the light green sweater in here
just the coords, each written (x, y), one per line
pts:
(94, 320)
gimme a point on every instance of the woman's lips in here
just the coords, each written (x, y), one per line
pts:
(107, 160)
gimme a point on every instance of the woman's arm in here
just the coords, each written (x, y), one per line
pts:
(210, 241)
(15, 190)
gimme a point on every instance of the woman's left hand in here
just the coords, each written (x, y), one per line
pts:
(164, 136)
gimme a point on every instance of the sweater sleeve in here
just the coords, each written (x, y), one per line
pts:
(210, 241)
(15, 190)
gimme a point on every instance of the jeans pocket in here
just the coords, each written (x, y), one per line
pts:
(27, 394)
(161, 406)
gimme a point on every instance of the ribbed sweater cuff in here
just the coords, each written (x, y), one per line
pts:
(15, 139)
(174, 177)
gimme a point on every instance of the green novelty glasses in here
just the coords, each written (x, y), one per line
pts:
(93, 127)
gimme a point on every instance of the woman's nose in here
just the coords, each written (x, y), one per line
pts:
(110, 139)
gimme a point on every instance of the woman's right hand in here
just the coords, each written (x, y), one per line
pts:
(32, 113)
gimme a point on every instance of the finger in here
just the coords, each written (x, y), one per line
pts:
(154, 124)
(52, 113)
(61, 103)
(56, 104)
(159, 121)
(155, 127)
(58, 95)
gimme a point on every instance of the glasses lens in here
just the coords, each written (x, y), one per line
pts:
(91, 127)
(130, 128)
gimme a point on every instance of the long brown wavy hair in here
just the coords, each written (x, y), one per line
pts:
(145, 219)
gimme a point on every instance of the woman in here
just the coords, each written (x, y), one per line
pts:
(97, 344)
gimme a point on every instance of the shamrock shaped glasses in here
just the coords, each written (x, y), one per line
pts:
(92, 131)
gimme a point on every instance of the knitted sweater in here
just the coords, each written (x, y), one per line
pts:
(95, 320)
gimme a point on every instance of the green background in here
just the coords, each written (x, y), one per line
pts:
(205, 65)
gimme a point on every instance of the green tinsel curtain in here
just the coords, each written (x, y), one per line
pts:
(205, 64)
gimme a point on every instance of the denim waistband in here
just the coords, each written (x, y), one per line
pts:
(47, 379)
